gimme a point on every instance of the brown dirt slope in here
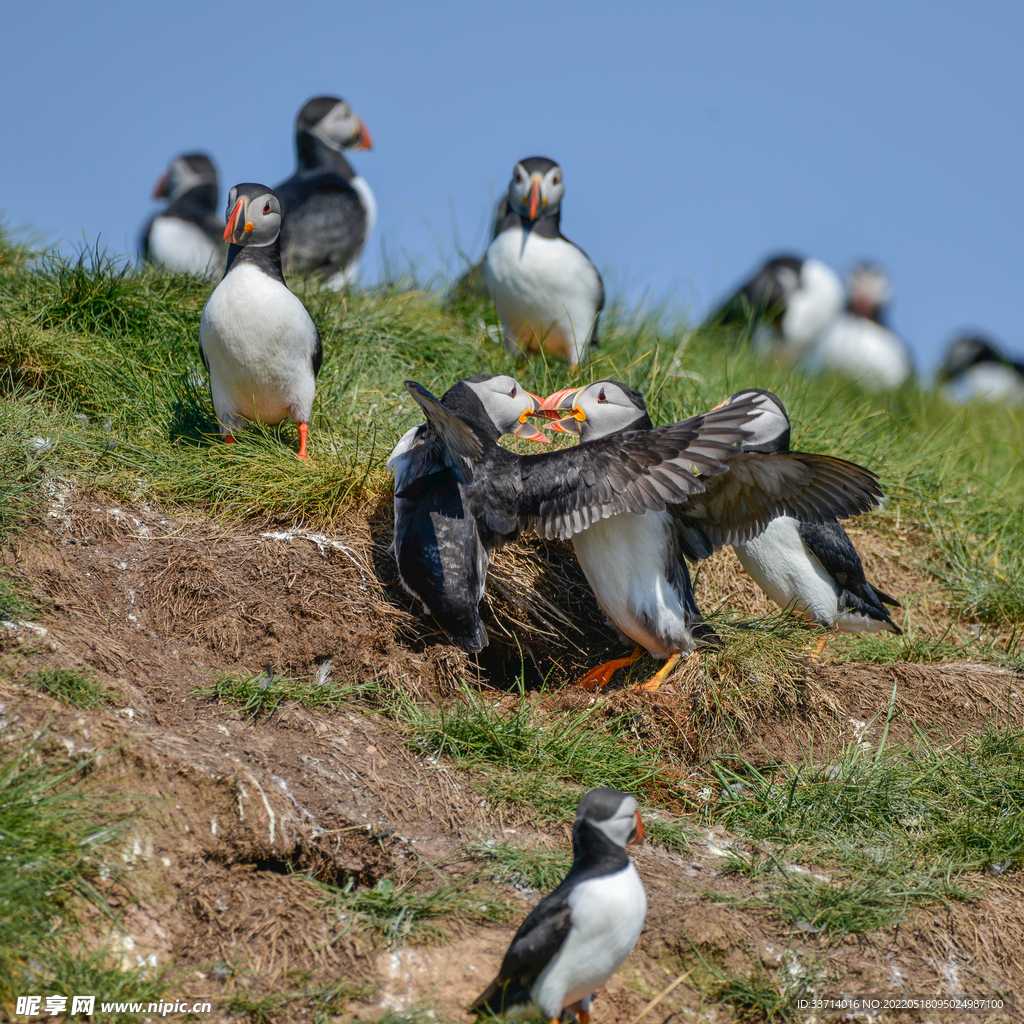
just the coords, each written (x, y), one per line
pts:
(234, 817)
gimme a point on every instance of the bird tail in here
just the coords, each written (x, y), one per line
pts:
(491, 1000)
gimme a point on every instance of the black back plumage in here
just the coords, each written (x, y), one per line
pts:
(325, 222)
(764, 296)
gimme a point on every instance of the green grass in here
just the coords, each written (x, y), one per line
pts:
(261, 695)
(14, 600)
(413, 911)
(536, 869)
(55, 830)
(78, 689)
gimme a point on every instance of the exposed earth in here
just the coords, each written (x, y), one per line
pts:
(233, 816)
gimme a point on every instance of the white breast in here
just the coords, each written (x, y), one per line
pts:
(607, 915)
(991, 382)
(780, 563)
(259, 341)
(864, 351)
(625, 558)
(546, 290)
(812, 308)
(183, 246)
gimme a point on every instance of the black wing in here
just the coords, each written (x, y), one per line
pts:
(539, 938)
(831, 545)
(764, 295)
(324, 223)
(736, 506)
(565, 492)
(318, 351)
(459, 445)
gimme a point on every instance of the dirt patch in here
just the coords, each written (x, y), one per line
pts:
(228, 809)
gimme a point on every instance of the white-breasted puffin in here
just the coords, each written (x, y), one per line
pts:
(858, 345)
(636, 564)
(577, 937)
(696, 463)
(975, 369)
(256, 338)
(187, 235)
(811, 567)
(443, 542)
(548, 293)
(790, 302)
(329, 210)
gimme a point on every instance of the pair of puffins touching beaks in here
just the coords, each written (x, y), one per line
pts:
(567, 409)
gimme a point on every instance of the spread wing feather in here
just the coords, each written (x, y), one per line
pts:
(460, 447)
(565, 492)
(736, 506)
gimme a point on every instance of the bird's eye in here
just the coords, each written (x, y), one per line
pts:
(602, 397)
(512, 393)
(555, 180)
(266, 209)
(517, 178)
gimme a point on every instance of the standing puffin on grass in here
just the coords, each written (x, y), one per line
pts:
(186, 235)
(858, 345)
(636, 564)
(329, 210)
(790, 303)
(257, 339)
(576, 938)
(548, 293)
(443, 536)
(812, 567)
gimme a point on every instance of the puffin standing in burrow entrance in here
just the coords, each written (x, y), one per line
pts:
(576, 938)
(636, 564)
(811, 567)
(257, 339)
(789, 303)
(858, 345)
(187, 235)
(329, 210)
(443, 541)
(548, 293)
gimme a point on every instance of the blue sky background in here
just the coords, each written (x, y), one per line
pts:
(695, 138)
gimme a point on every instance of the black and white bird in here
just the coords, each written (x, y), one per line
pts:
(329, 210)
(443, 535)
(577, 937)
(789, 303)
(859, 345)
(256, 338)
(548, 293)
(810, 567)
(636, 564)
(975, 370)
(187, 235)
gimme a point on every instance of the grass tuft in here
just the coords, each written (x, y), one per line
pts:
(78, 689)
(260, 696)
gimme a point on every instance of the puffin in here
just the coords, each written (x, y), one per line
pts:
(577, 937)
(636, 564)
(443, 537)
(548, 293)
(858, 345)
(329, 210)
(811, 567)
(975, 369)
(256, 338)
(562, 493)
(187, 236)
(790, 302)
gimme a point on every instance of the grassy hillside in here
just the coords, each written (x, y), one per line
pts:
(102, 390)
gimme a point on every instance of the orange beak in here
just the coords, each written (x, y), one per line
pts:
(160, 188)
(237, 215)
(534, 199)
(528, 432)
(719, 406)
(639, 837)
(365, 139)
(559, 402)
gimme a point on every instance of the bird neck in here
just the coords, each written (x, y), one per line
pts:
(591, 849)
(542, 227)
(315, 155)
(264, 257)
(195, 204)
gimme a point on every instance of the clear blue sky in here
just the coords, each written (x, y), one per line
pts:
(695, 138)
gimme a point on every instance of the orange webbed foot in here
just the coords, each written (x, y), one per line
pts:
(598, 678)
(303, 434)
(662, 674)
